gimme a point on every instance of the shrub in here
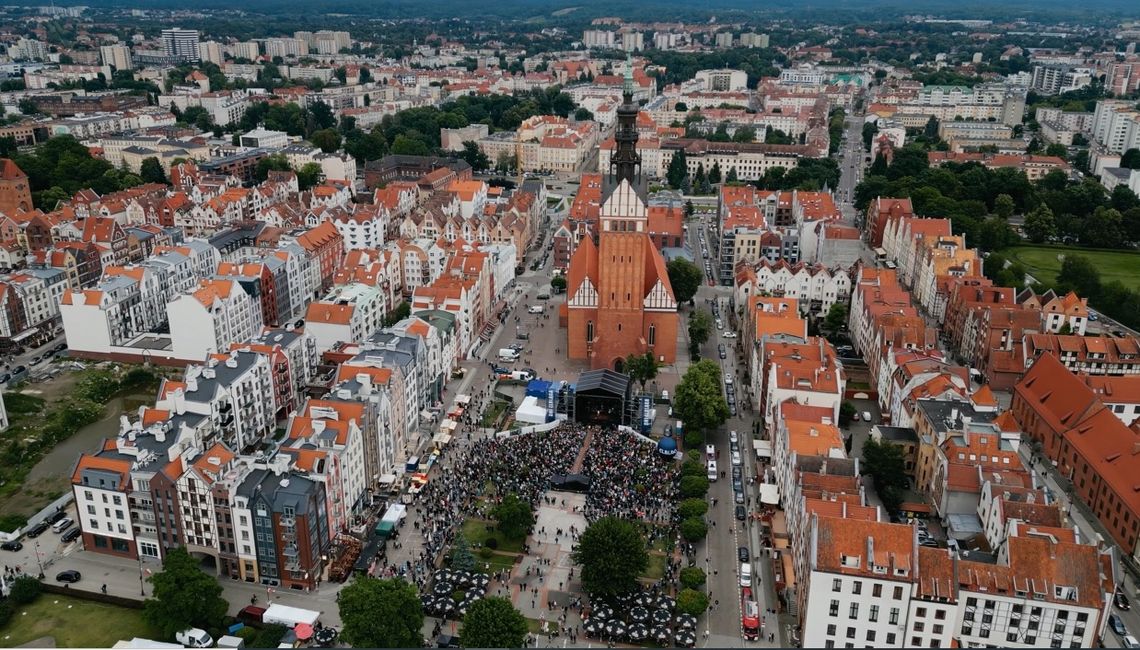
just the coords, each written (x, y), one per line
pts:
(694, 529)
(694, 439)
(18, 403)
(269, 636)
(693, 508)
(693, 468)
(692, 577)
(486, 552)
(691, 601)
(25, 590)
(12, 523)
(492, 543)
(6, 611)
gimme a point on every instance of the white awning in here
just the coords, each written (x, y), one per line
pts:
(763, 448)
(769, 493)
(462, 400)
(441, 439)
(387, 479)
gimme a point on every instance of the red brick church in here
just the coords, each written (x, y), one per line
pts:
(619, 300)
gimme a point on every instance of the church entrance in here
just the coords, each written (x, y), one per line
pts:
(619, 365)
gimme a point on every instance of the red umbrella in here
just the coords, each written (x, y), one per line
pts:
(304, 631)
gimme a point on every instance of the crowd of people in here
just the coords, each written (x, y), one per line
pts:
(628, 478)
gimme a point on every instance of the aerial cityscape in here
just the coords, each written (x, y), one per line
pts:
(530, 324)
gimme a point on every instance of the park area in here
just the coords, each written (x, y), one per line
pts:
(73, 623)
(1043, 263)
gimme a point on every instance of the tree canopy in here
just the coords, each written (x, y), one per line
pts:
(515, 516)
(685, 277)
(641, 368)
(381, 613)
(886, 465)
(183, 596)
(612, 554)
(699, 401)
(493, 622)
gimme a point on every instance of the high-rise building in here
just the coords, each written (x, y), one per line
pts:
(244, 50)
(116, 56)
(213, 52)
(620, 299)
(182, 43)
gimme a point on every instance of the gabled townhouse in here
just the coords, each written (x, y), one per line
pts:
(292, 355)
(1095, 355)
(385, 421)
(375, 267)
(211, 318)
(421, 261)
(815, 286)
(1067, 314)
(289, 516)
(806, 373)
(348, 314)
(455, 295)
(937, 258)
(879, 213)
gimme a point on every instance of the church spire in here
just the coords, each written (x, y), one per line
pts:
(625, 162)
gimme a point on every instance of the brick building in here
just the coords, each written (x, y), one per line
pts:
(15, 193)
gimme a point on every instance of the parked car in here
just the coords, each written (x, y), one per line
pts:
(71, 575)
(62, 525)
(732, 437)
(38, 529)
(738, 497)
(1121, 601)
(71, 535)
(720, 350)
(12, 546)
(1130, 641)
(742, 553)
(729, 334)
(737, 484)
(866, 416)
(1117, 625)
(736, 472)
(18, 369)
(4, 378)
(741, 515)
(56, 516)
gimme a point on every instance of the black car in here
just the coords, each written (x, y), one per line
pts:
(499, 370)
(735, 471)
(59, 348)
(12, 546)
(1116, 624)
(740, 513)
(1121, 601)
(56, 516)
(4, 378)
(737, 484)
(18, 370)
(71, 535)
(71, 575)
(732, 409)
(742, 554)
(721, 352)
(38, 529)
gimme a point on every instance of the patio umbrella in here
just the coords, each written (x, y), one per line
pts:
(442, 574)
(326, 636)
(446, 606)
(662, 616)
(638, 632)
(687, 621)
(661, 634)
(666, 602)
(643, 600)
(481, 579)
(442, 588)
(615, 629)
(304, 631)
(592, 626)
(686, 638)
(462, 577)
(639, 614)
(602, 613)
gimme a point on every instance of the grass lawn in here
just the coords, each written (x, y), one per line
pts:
(656, 568)
(1042, 263)
(475, 530)
(496, 562)
(493, 413)
(74, 623)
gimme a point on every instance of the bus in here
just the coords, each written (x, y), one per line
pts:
(750, 621)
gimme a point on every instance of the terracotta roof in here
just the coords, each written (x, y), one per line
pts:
(10, 171)
(118, 466)
(855, 547)
(323, 312)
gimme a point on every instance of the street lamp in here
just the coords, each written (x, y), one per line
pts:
(142, 590)
(39, 561)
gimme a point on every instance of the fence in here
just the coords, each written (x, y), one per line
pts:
(42, 515)
(50, 588)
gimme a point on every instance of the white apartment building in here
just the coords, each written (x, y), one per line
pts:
(263, 137)
(211, 318)
(213, 52)
(599, 38)
(285, 47)
(349, 314)
(337, 166)
(1116, 125)
(181, 43)
(243, 50)
(116, 56)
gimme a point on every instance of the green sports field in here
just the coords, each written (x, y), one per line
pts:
(1043, 263)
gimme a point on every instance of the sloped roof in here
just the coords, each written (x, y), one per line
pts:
(603, 380)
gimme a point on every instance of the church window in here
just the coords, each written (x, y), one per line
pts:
(589, 331)
(619, 327)
(652, 334)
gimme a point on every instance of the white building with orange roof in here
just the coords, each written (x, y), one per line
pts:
(326, 442)
(472, 196)
(455, 295)
(390, 413)
(211, 318)
(422, 261)
(348, 314)
(802, 438)
(806, 373)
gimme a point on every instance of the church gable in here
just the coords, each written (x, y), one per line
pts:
(624, 203)
(660, 298)
(585, 296)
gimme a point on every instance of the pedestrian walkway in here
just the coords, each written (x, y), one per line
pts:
(576, 468)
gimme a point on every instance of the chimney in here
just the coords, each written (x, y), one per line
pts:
(318, 427)
(365, 381)
(178, 397)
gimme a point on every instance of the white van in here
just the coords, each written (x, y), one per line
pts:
(712, 470)
(534, 309)
(507, 354)
(194, 637)
(745, 574)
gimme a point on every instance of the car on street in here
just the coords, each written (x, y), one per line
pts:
(1130, 641)
(740, 513)
(1117, 625)
(742, 554)
(710, 451)
(866, 416)
(12, 546)
(70, 575)
(732, 409)
(728, 378)
(734, 446)
(728, 334)
(736, 473)
(738, 497)
(38, 529)
(720, 350)
(736, 460)
(1121, 601)
(18, 369)
(737, 484)
(732, 437)
(730, 390)
(71, 535)
(4, 378)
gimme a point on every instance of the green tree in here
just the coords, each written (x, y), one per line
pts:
(27, 106)
(514, 515)
(699, 401)
(694, 507)
(693, 577)
(931, 128)
(151, 171)
(1130, 159)
(869, 131)
(474, 156)
(685, 277)
(678, 170)
(381, 614)
(183, 596)
(744, 134)
(692, 601)
(694, 529)
(461, 557)
(1003, 206)
(995, 234)
(407, 146)
(714, 173)
(493, 623)
(558, 283)
(1058, 150)
(1104, 228)
(583, 114)
(776, 136)
(732, 176)
(641, 368)
(328, 140)
(700, 180)
(24, 590)
(847, 413)
(272, 163)
(681, 107)
(612, 554)
(1040, 225)
(836, 317)
(885, 463)
(308, 175)
(700, 328)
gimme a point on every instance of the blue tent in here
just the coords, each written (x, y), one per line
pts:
(537, 388)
